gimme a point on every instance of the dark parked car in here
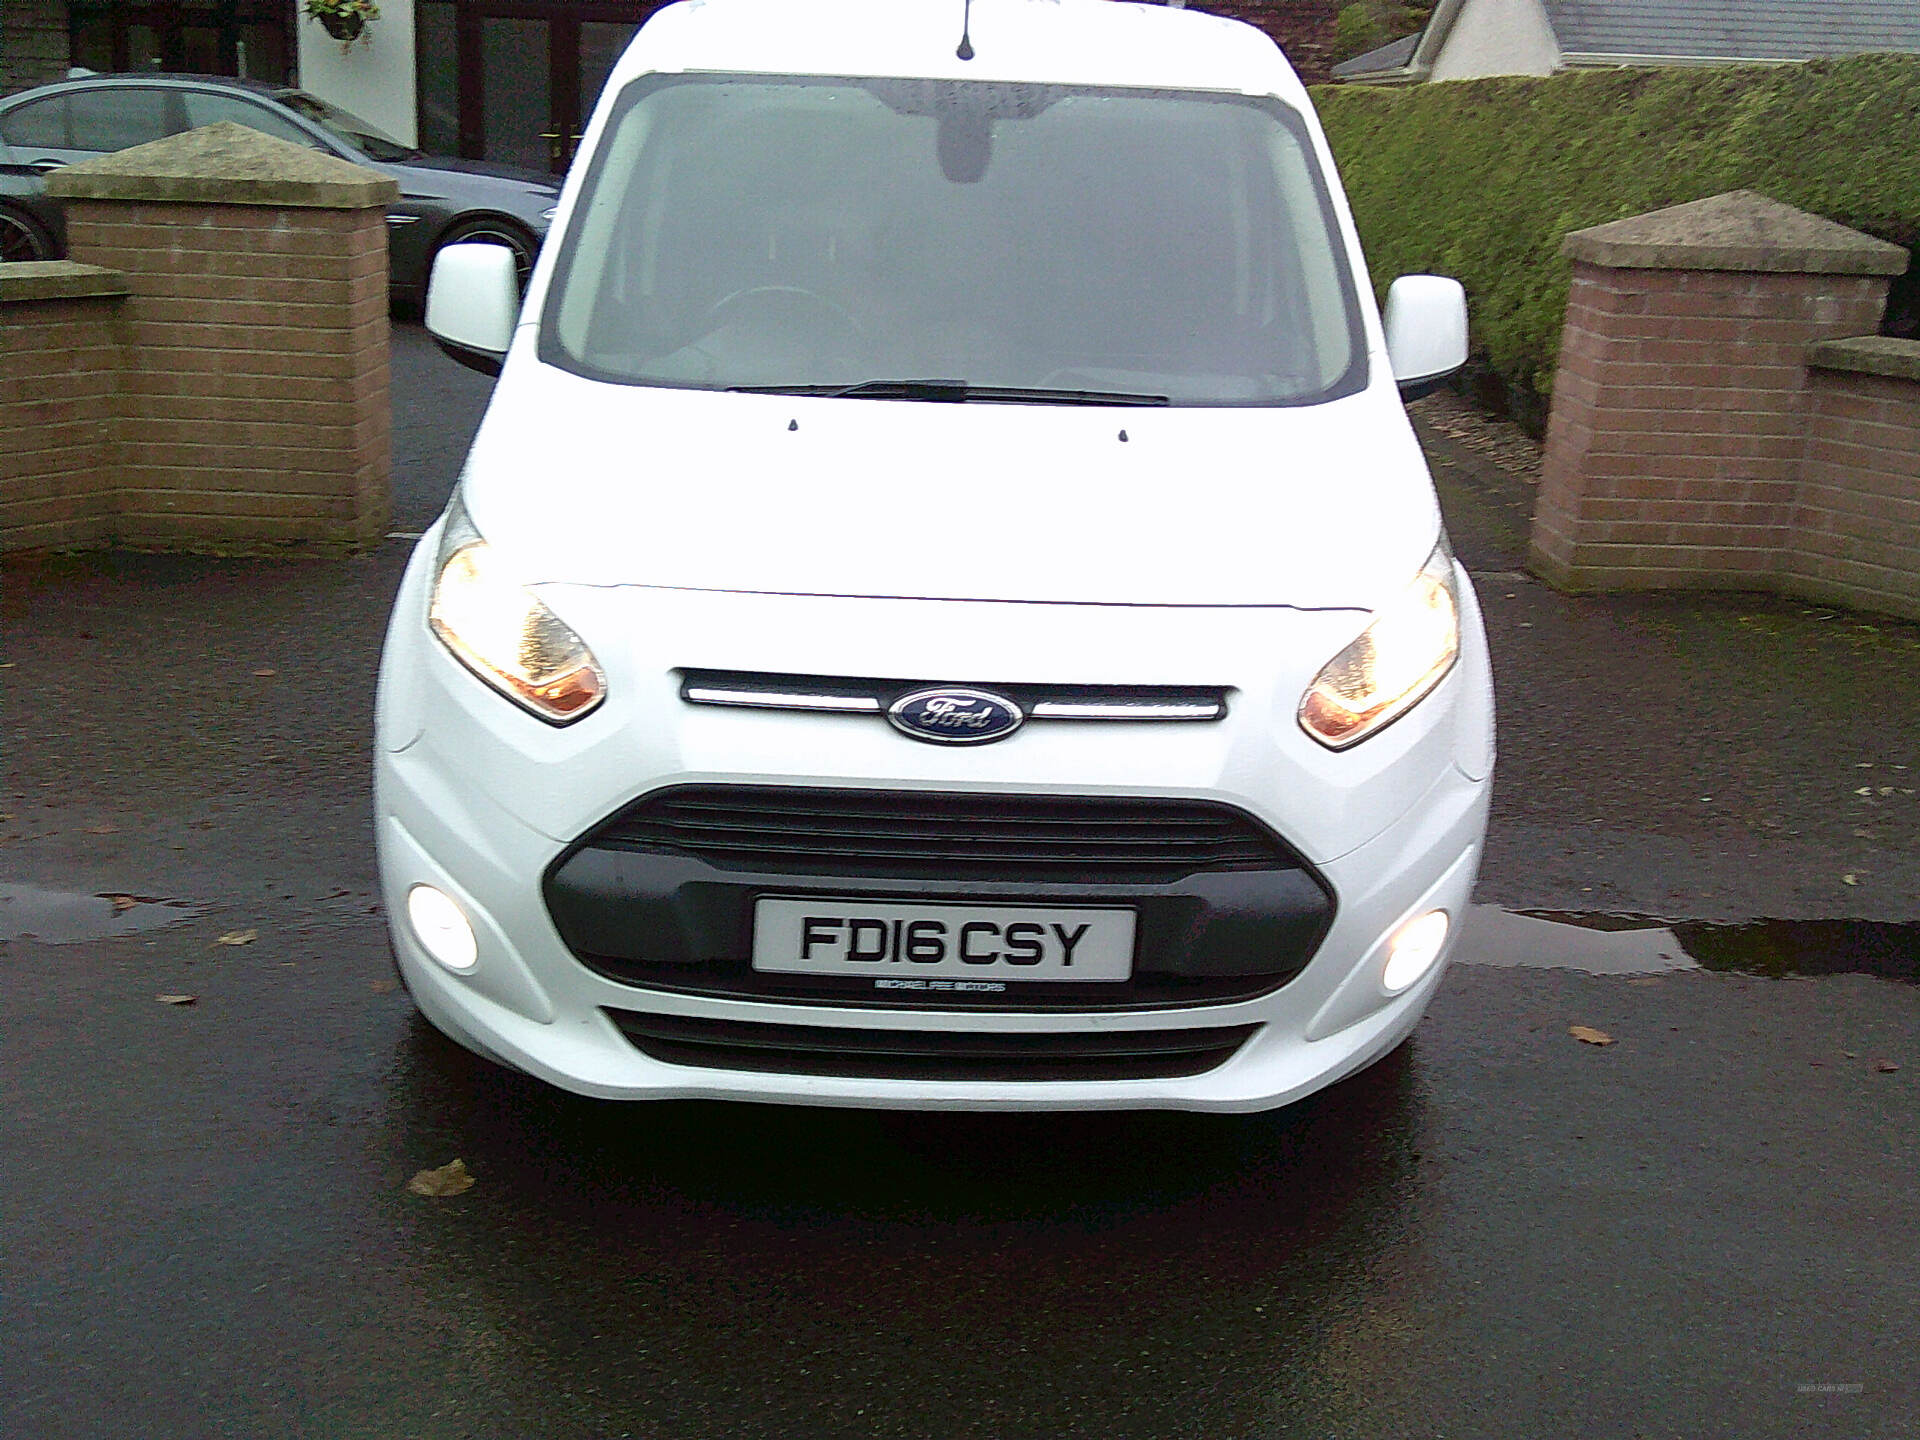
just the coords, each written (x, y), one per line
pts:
(30, 227)
(441, 200)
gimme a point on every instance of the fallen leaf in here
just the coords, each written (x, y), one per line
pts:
(1587, 1035)
(266, 672)
(122, 902)
(381, 987)
(1885, 1067)
(450, 1179)
(176, 999)
(238, 937)
(1848, 1055)
(1849, 879)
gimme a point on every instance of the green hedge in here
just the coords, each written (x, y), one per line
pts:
(1481, 179)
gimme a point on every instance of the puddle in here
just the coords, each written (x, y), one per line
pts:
(61, 917)
(1640, 945)
(1806, 947)
(1538, 941)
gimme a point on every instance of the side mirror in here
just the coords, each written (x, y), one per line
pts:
(1426, 324)
(473, 302)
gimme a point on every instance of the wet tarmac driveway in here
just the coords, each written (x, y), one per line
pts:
(1706, 1227)
(1501, 1231)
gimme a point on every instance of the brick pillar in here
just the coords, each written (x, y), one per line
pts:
(253, 407)
(1679, 409)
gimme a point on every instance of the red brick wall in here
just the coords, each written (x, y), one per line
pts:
(33, 43)
(254, 404)
(59, 364)
(1302, 28)
(1674, 448)
(1857, 518)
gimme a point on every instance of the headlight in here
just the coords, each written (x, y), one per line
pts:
(502, 632)
(1406, 651)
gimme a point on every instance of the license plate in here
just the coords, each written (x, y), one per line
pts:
(895, 944)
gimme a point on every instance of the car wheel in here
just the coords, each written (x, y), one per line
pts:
(22, 238)
(496, 232)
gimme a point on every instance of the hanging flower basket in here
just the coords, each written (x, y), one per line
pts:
(345, 20)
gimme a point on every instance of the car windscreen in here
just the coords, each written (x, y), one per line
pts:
(765, 232)
(342, 126)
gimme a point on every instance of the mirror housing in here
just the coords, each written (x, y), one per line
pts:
(473, 303)
(1426, 323)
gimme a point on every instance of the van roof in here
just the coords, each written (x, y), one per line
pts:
(1075, 42)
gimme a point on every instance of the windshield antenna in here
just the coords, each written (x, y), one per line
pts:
(965, 52)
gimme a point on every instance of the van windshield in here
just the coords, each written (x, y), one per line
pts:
(956, 240)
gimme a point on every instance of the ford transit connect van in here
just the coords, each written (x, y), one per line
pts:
(945, 607)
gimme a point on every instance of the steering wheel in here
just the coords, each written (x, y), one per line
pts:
(831, 308)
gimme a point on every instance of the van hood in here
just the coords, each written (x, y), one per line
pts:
(577, 481)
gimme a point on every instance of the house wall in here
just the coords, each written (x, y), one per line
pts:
(373, 77)
(1498, 37)
(33, 43)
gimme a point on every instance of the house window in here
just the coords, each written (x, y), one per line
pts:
(245, 38)
(515, 80)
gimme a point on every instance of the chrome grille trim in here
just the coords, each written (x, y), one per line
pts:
(776, 700)
(1127, 710)
(832, 694)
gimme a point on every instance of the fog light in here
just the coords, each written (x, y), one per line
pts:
(1413, 951)
(442, 929)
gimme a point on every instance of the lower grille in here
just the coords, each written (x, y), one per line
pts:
(662, 893)
(929, 1054)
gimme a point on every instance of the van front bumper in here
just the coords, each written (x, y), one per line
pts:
(624, 973)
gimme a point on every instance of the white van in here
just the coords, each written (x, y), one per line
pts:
(945, 608)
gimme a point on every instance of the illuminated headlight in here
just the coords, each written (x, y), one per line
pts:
(1407, 650)
(502, 632)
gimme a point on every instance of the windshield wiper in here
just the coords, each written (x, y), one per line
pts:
(957, 392)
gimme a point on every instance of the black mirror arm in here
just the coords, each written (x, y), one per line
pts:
(1424, 385)
(487, 362)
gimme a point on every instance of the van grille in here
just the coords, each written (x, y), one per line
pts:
(917, 834)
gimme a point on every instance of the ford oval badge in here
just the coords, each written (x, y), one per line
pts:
(952, 715)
